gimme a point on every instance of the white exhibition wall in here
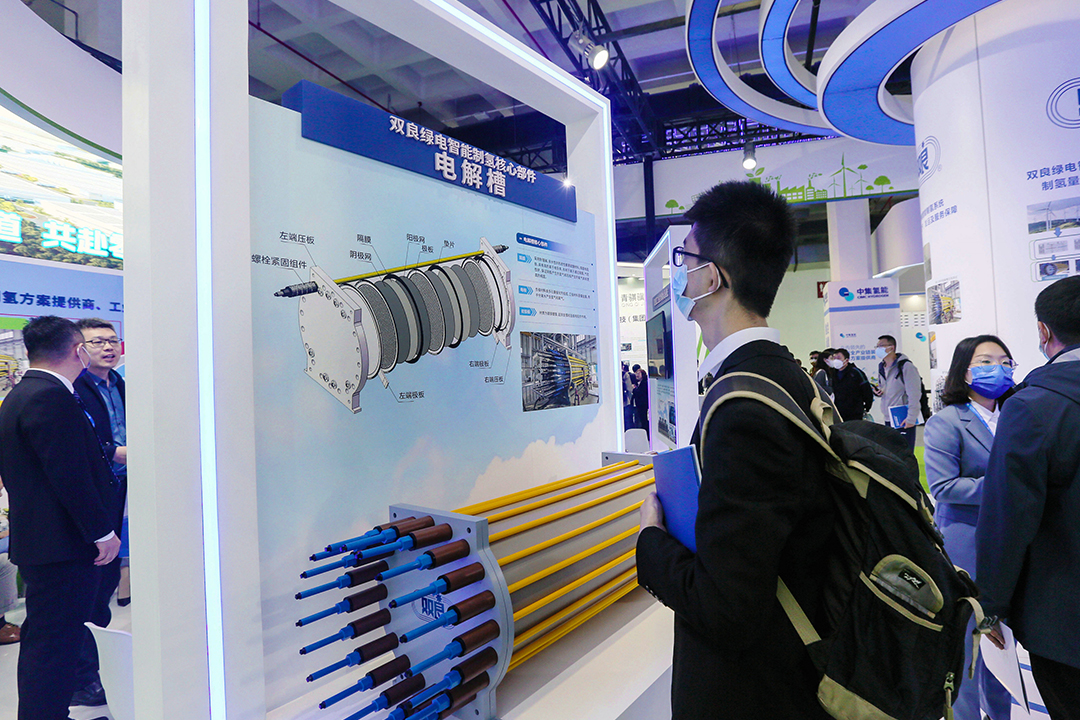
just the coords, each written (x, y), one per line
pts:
(997, 118)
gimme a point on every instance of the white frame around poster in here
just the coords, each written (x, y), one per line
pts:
(197, 618)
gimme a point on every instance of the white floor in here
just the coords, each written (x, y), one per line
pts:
(9, 658)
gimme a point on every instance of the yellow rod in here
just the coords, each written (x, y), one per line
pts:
(514, 512)
(409, 267)
(552, 597)
(556, 635)
(525, 639)
(525, 582)
(567, 535)
(529, 494)
(510, 532)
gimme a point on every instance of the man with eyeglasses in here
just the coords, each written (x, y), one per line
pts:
(65, 516)
(102, 391)
(764, 506)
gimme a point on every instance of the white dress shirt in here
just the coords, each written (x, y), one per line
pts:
(716, 357)
(990, 418)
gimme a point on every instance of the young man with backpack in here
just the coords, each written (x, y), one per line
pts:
(899, 386)
(764, 503)
(818, 588)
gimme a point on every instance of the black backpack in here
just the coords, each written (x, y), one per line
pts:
(896, 608)
(924, 394)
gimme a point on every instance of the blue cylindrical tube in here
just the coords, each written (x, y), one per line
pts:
(344, 634)
(318, 616)
(447, 618)
(452, 650)
(337, 584)
(439, 586)
(363, 684)
(421, 563)
(344, 562)
(344, 662)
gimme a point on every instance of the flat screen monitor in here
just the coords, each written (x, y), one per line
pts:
(658, 342)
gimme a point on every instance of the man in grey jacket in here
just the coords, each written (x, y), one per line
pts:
(899, 385)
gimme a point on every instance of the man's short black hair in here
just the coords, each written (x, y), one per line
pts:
(94, 324)
(747, 230)
(636, 367)
(844, 352)
(49, 338)
(889, 339)
(1058, 307)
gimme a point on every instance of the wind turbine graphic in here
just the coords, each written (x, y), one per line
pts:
(844, 168)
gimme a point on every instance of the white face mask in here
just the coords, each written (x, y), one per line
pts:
(836, 363)
(85, 365)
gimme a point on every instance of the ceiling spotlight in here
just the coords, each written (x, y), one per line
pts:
(596, 56)
(749, 156)
(566, 182)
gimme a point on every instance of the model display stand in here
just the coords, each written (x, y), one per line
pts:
(442, 609)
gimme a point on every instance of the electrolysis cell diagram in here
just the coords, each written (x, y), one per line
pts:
(361, 327)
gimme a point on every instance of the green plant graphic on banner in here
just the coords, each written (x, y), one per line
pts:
(673, 205)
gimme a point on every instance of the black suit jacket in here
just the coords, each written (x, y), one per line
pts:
(764, 509)
(87, 388)
(64, 496)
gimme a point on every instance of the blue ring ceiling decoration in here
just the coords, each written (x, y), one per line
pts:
(716, 77)
(848, 95)
(851, 95)
(779, 62)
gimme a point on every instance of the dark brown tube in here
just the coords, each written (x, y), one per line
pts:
(448, 553)
(378, 646)
(482, 634)
(457, 579)
(394, 524)
(366, 597)
(409, 686)
(369, 622)
(473, 606)
(367, 573)
(404, 527)
(389, 670)
(477, 664)
(431, 535)
(465, 693)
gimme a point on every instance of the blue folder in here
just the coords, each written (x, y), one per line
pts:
(678, 479)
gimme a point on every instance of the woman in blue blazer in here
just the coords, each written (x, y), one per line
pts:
(958, 441)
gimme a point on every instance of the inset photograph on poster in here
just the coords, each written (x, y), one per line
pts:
(1056, 216)
(558, 370)
(943, 302)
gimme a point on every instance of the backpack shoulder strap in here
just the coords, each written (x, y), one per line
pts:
(761, 389)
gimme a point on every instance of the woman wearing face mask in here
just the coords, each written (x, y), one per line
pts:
(958, 441)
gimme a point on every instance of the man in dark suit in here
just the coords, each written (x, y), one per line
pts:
(102, 392)
(65, 515)
(764, 508)
(1027, 541)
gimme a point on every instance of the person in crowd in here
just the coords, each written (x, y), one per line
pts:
(9, 594)
(628, 397)
(823, 372)
(958, 441)
(641, 397)
(65, 520)
(899, 387)
(102, 391)
(852, 392)
(814, 355)
(1027, 540)
(765, 508)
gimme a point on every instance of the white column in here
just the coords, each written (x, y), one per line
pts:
(898, 238)
(849, 240)
(192, 502)
(997, 124)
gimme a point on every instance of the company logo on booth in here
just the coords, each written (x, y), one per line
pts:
(921, 337)
(929, 158)
(1063, 106)
(429, 607)
(847, 294)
